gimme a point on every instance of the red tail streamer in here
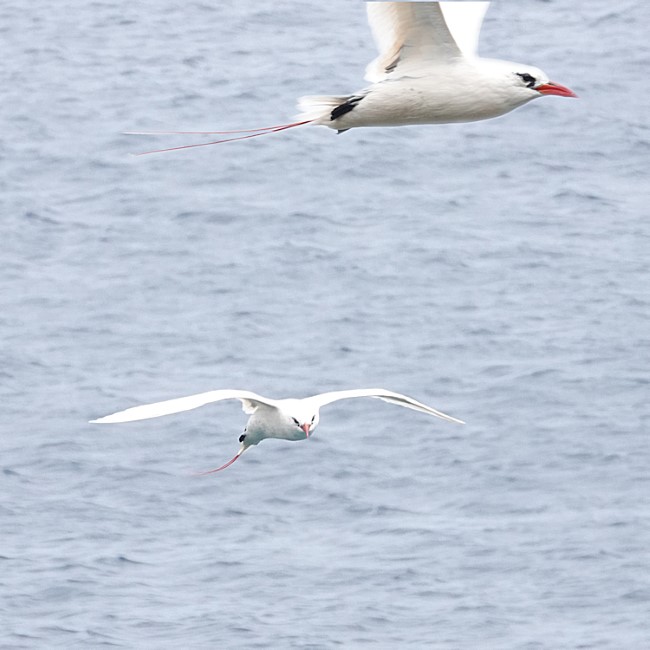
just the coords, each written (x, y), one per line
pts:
(254, 133)
(228, 464)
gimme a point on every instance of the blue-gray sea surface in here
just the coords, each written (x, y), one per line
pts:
(497, 270)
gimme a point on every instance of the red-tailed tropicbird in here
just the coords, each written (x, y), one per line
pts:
(427, 72)
(288, 419)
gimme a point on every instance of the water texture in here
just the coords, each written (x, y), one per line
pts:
(498, 271)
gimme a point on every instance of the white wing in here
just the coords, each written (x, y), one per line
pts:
(250, 402)
(464, 20)
(409, 36)
(380, 393)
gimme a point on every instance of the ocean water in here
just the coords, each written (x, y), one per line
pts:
(498, 271)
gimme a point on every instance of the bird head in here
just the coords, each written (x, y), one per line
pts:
(518, 82)
(534, 80)
(302, 421)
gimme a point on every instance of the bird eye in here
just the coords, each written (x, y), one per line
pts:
(313, 418)
(242, 437)
(528, 79)
(296, 421)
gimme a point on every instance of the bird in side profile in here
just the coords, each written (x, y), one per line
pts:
(288, 419)
(427, 72)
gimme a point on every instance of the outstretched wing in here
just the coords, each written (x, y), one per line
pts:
(380, 393)
(412, 36)
(250, 402)
(464, 20)
(408, 34)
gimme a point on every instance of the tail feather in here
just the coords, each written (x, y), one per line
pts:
(318, 108)
(261, 128)
(253, 133)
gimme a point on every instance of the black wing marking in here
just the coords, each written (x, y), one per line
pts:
(346, 106)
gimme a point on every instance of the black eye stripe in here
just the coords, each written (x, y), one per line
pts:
(528, 79)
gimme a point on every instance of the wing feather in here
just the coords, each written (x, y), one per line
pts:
(464, 20)
(407, 34)
(380, 393)
(413, 35)
(250, 402)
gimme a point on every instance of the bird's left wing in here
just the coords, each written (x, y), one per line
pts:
(250, 402)
(380, 393)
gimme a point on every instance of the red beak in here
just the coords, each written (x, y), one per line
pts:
(305, 428)
(555, 89)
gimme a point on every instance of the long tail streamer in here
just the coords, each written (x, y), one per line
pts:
(252, 133)
(228, 464)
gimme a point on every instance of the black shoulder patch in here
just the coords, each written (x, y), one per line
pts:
(346, 106)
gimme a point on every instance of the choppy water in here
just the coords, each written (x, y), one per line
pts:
(498, 271)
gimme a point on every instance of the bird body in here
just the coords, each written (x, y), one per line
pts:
(446, 95)
(287, 419)
(428, 72)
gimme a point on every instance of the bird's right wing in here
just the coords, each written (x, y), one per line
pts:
(408, 35)
(380, 393)
(464, 20)
(250, 402)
